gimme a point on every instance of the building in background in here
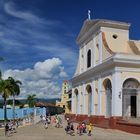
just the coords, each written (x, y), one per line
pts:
(69, 101)
(107, 79)
(64, 97)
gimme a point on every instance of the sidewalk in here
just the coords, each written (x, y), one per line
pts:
(37, 132)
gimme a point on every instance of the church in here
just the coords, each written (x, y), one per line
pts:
(107, 78)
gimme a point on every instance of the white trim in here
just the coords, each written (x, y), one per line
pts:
(124, 69)
(111, 63)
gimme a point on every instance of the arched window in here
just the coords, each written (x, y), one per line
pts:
(89, 59)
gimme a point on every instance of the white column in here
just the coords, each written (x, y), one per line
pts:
(81, 99)
(81, 60)
(116, 94)
(93, 97)
(78, 101)
(138, 103)
(73, 102)
(81, 103)
(92, 46)
(84, 99)
(85, 58)
(99, 96)
(100, 47)
(94, 55)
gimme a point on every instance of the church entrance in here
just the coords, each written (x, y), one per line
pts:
(133, 106)
(129, 97)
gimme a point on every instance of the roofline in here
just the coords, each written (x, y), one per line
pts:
(97, 23)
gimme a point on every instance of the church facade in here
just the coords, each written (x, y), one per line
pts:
(107, 78)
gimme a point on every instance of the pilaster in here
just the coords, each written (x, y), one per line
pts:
(93, 52)
(85, 58)
(81, 99)
(100, 47)
(99, 96)
(138, 103)
(116, 94)
(93, 97)
(84, 98)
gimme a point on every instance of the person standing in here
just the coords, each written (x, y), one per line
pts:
(90, 128)
(7, 129)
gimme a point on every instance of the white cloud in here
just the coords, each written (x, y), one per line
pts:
(34, 38)
(41, 80)
(28, 16)
(48, 68)
(11, 9)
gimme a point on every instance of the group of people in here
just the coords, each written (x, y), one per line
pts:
(55, 121)
(10, 127)
(81, 128)
(70, 129)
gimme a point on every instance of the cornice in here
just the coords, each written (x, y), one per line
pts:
(117, 60)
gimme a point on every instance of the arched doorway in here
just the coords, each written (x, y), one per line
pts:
(129, 97)
(89, 99)
(108, 94)
(76, 100)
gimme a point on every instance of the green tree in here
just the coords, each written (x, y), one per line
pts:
(31, 100)
(5, 91)
(15, 85)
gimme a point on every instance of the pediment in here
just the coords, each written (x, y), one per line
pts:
(86, 27)
(91, 26)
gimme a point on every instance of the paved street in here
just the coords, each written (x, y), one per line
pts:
(37, 132)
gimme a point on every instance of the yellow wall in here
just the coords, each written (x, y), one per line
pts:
(120, 43)
(126, 75)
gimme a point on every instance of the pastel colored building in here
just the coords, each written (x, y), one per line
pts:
(64, 97)
(107, 78)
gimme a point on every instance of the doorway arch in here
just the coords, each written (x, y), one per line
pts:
(129, 97)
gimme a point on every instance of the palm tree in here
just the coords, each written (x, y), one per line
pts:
(15, 91)
(31, 100)
(5, 91)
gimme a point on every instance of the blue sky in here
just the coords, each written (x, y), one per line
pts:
(37, 38)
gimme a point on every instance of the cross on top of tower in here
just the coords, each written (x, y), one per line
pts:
(89, 17)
